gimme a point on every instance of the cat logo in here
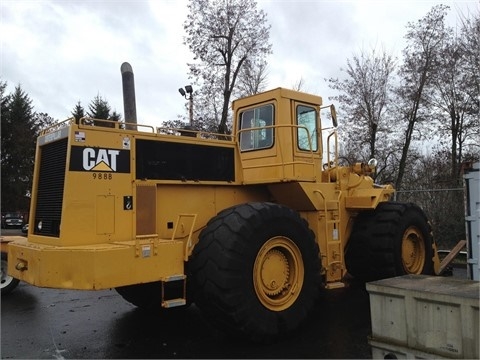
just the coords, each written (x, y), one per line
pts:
(99, 159)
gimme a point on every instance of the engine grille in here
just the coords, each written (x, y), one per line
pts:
(51, 178)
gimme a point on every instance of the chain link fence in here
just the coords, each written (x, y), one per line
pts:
(445, 208)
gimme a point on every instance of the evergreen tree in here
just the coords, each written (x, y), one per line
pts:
(18, 149)
(78, 112)
(114, 116)
(42, 121)
(100, 109)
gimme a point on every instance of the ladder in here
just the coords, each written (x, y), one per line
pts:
(333, 237)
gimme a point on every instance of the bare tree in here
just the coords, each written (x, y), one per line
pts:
(226, 37)
(253, 78)
(469, 43)
(365, 97)
(421, 57)
(299, 84)
(454, 94)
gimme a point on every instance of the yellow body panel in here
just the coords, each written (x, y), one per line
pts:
(94, 267)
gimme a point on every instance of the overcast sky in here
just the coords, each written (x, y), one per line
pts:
(62, 52)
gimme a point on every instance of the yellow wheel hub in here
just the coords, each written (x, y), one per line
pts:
(278, 273)
(275, 272)
(413, 251)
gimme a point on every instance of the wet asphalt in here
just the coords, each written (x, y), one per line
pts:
(39, 323)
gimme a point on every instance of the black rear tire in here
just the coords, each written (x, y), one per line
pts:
(394, 239)
(7, 282)
(256, 271)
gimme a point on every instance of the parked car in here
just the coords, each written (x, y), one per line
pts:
(12, 220)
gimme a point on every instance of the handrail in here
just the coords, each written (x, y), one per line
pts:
(188, 243)
(256, 128)
(90, 122)
(194, 133)
(335, 160)
(57, 126)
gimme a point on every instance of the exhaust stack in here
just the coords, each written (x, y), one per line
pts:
(129, 107)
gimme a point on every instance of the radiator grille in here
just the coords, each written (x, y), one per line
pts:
(48, 211)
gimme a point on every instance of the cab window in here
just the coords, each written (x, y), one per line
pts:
(307, 128)
(255, 131)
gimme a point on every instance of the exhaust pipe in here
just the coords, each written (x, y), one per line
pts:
(128, 84)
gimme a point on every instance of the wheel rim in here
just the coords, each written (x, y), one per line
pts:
(5, 278)
(413, 251)
(278, 273)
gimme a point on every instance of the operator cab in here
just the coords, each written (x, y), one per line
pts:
(279, 136)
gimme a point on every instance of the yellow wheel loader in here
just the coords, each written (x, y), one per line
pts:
(248, 226)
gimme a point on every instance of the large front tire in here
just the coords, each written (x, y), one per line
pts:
(394, 239)
(256, 271)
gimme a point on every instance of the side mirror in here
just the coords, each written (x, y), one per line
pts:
(333, 113)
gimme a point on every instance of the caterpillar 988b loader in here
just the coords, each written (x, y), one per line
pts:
(248, 226)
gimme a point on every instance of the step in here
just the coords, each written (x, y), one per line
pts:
(174, 303)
